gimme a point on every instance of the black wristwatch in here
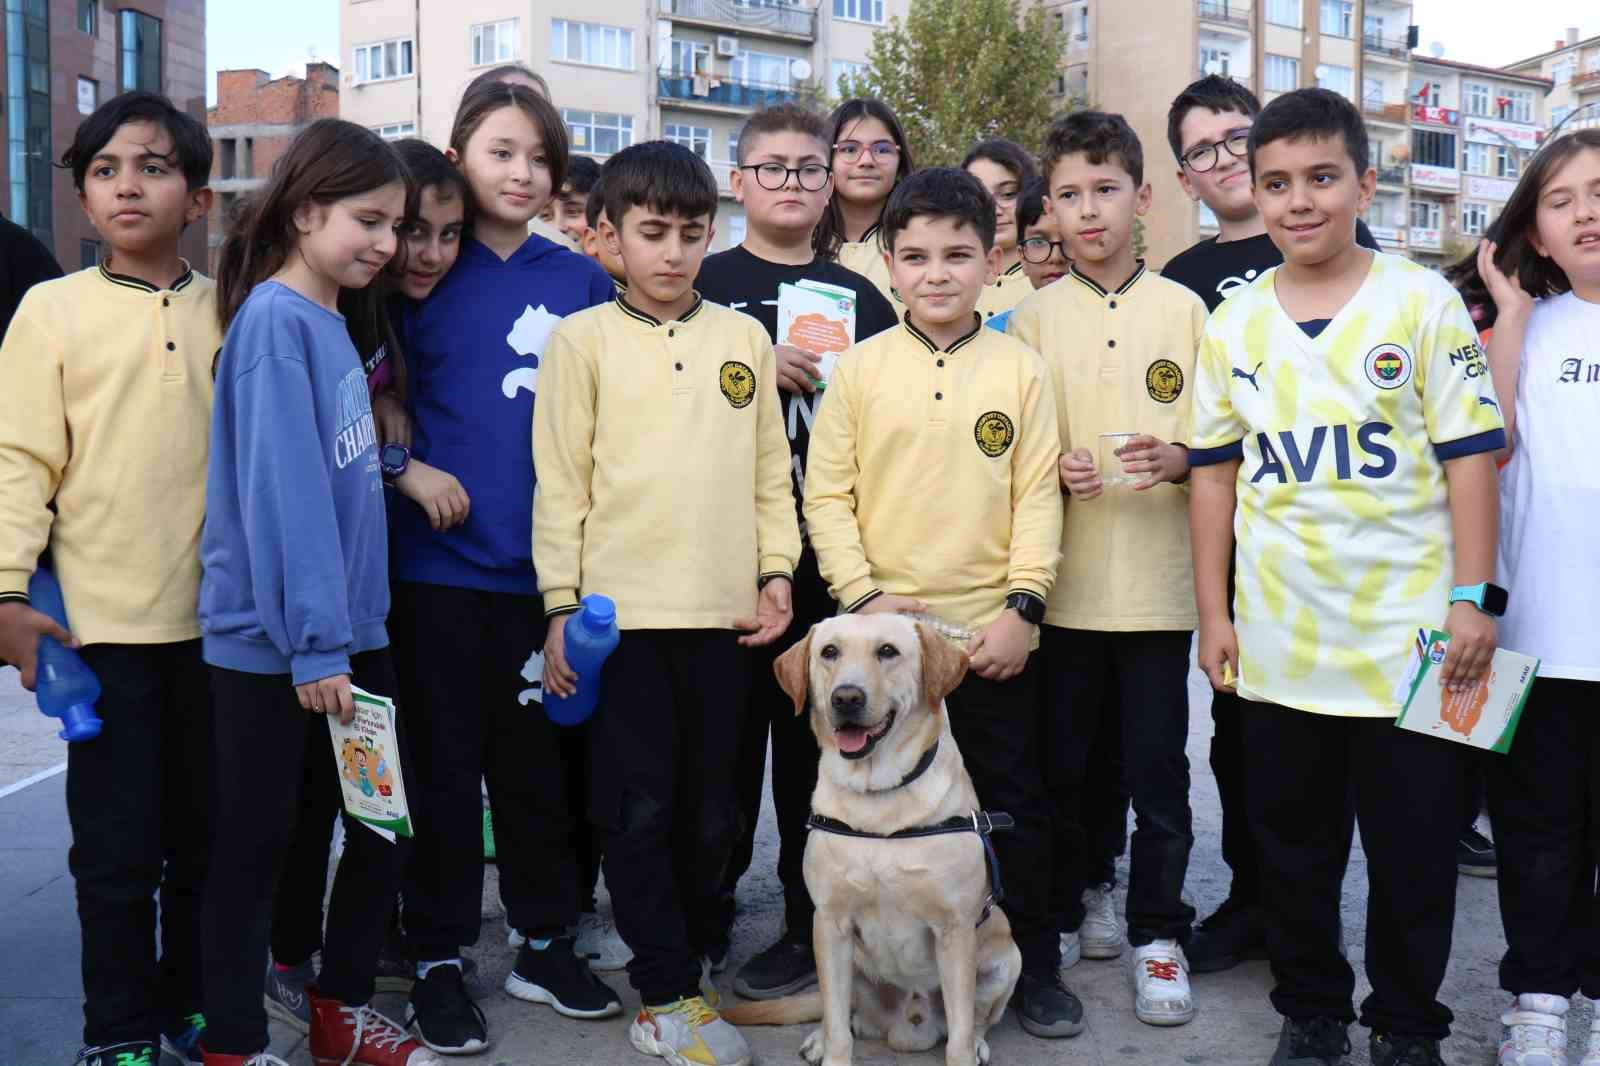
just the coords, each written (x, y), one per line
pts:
(393, 460)
(1029, 606)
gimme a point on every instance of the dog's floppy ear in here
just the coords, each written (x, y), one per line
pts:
(793, 669)
(943, 667)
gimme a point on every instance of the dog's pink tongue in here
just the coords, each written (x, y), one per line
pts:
(850, 737)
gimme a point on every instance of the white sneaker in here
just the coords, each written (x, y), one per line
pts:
(1071, 952)
(688, 1033)
(514, 938)
(1161, 993)
(599, 941)
(1101, 932)
(1535, 1032)
(1591, 1057)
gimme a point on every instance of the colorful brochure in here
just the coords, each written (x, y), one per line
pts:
(367, 755)
(819, 318)
(1484, 716)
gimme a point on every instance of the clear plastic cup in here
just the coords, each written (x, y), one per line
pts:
(1111, 470)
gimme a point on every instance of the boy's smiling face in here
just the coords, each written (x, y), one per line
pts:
(1310, 196)
(1225, 188)
(939, 268)
(1095, 205)
(134, 191)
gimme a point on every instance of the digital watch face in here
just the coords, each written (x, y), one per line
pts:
(1494, 600)
(393, 456)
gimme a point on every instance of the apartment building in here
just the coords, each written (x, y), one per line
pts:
(63, 59)
(1573, 67)
(620, 71)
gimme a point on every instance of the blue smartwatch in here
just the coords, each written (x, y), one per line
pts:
(393, 460)
(1485, 596)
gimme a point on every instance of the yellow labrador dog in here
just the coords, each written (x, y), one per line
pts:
(909, 946)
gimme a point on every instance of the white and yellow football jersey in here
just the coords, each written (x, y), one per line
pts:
(1343, 522)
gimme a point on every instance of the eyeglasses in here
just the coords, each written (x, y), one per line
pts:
(1038, 249)
(882, 151)
(774, 176)
(1203, 157)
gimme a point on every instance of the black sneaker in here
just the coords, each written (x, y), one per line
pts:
(1405, 1051)
(1235, 933)
(1046, 1008)
(444, 1016)
(560, 978)
(1312, 1042)
(129, 1053)
(784, 968)
(1475, 855)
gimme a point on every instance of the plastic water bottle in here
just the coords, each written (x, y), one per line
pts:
(590, 636)
(66, 688)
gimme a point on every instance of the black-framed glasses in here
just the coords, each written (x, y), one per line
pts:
(774, 176)
(882, 151)
(1037, 249)
(1203, 157)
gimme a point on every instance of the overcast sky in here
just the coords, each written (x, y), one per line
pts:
(275, 36)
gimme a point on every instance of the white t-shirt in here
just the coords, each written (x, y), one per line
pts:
(1550, 494)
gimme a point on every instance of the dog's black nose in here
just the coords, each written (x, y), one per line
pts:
(849, 700)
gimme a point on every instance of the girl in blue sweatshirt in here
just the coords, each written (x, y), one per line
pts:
(468, 620)
(294, 592)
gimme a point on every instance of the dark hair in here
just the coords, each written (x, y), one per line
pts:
(328, 161)
(582, 173)
(1464, 275)
(1214, 92)
(1312, 113)
(596, 202)
(1030, 206)
(829, 234)
(784, 118)
(191, 144)
(1008, 154)
(1099, 136)
(430, 167)
(498, 76)
(940, 192)
(1540, 276)
(661, 175)
(478, 104)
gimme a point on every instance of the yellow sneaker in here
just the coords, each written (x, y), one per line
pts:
(688, 1032)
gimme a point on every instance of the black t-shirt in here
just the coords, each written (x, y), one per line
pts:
(1212, 270)
(746, 282)
(24, 262)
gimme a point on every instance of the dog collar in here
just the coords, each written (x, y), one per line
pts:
(916, 771)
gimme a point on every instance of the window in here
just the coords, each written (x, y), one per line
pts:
(1564, 69)
(1474, 219)
(88, 254)
(1515, 105)
(842, 69)
(1424, 214)
(28, 108)
(733, 146)
(1338, 18)
(383, 61)
(1425, 93)
(1080, 28)
(1559, 114)
(1477, 159)
(1280, 73)
(496, 42)
(596, 132)
(858, 10)
(228, 158)
(1284, 12)
(1340, 79)
(592, 44)
(89, 21)
(141, 52)
(760, 68)
(695, 138)
(690, 58)
(395, 130)
(88, 96)
(1508, 163)
(1475, 98)
(1433, 148)
(1215, 61)
(1372, 29)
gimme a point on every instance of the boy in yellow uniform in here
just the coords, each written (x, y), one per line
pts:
(940, 396)
(1120, 344)
(1344, 431)
(663, 483)
(105, 419)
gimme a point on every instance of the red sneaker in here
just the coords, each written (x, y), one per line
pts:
(342, 1035)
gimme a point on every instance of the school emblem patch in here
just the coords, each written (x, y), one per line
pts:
(738, 383)
(994, 433)
(1388, 366)
(1163, 381)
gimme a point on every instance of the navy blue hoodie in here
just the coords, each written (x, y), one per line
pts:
(294, 554)
(472, 353)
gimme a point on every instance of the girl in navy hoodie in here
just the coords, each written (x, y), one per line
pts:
(467, 618)
(294, 591)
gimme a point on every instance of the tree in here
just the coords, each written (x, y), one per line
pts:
(956, 71)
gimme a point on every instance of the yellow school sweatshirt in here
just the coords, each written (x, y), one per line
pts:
(1008, 290)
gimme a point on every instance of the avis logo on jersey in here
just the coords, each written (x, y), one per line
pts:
(1300, 456)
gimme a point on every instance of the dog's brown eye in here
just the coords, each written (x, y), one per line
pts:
(829, 651)
(888, 651)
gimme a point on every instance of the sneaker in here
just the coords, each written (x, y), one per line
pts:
(285, 994)
(1312, 1042)
(128, 1053)
(488, 836)
(1046, 1007)
(260, 1058)
(784, 968)
(1535, 1031)
(1475, 855)
(1071, 951)
(1405, 1051)
(181, 1047)
(1235, 933)
(342, 1035)
(708, 987)
(444, 1016)
(1100, 935)
(688, 1032)
(601, 944)
(1161, 994)
(514, 937)
(558, 977)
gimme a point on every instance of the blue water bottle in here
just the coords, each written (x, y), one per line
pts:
(65, 687)
(590, 636)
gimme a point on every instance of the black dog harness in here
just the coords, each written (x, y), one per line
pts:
(981, 822)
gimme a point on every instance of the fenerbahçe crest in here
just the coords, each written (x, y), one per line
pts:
(738, 383)
(994, 433)
(1388, 366)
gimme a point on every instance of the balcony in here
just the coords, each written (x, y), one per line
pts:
(1230, 13)
(1586, 81)
(769, 18)
(1381, 47)
(1377, 110)
(1240, 79)
(1392, 175)
(720, 94)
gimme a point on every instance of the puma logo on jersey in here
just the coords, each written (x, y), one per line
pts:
(1250, 377)
(1484, 401)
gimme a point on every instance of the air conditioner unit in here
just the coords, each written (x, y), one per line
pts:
(727, 46)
